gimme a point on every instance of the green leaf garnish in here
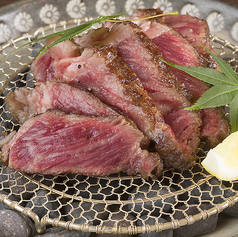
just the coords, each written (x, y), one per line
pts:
(216, 96)
(225, 67)
(146, 18)
(74, 31)
(223, 92)
(69, 33)
(208, 75)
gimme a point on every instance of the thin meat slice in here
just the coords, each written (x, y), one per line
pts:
(55, 143)
(177, 49)
(196, 30)
(169, 41)
(215, 126)
(144, 58)
(185, 125)
(66, 49)
(24, 102)
(100, 70)
(93, 36)
(43, 68)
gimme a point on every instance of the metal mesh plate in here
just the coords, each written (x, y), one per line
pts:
(113, 204)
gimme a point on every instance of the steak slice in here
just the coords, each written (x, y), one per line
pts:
(24, 102)
(144, 58)
(105, 74)
(196, 31)
(177, 49)
(169, 41)
(55, 143)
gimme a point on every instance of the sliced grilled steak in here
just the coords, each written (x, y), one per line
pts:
(196, 31)
(215, 126)
(55, 143)
(104, 73)
(144, 58)
(177, 49)
(24, 102)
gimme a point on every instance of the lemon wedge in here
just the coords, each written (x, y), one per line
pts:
(222, 161)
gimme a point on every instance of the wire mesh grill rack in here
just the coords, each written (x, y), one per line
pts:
(113, 204)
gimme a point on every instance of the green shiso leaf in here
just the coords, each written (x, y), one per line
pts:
(208, 75)
(225, 67)
(214, 97)
(72, 32)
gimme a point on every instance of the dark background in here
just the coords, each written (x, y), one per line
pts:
(5, 2)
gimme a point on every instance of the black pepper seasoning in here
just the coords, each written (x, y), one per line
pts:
(79, 66)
